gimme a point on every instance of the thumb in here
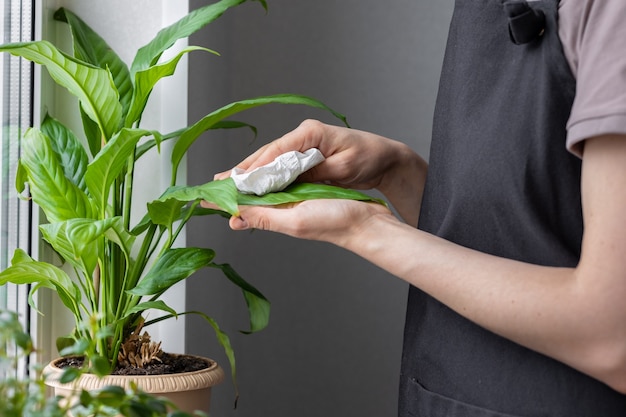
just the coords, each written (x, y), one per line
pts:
(238, 223)
(272, 218)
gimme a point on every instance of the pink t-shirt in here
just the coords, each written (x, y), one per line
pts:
(593, 34)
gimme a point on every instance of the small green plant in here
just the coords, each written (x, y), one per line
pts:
(26, 396)
(83, 182)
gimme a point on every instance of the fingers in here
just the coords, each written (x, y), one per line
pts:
(287, 219)
(306, 136)
(245, 164)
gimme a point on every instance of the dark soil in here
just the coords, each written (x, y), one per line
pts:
(171, 364)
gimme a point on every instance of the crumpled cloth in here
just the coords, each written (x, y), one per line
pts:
(278, 174)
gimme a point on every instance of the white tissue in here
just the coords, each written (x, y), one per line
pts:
(278, 174)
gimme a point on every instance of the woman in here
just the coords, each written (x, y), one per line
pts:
(518, 266)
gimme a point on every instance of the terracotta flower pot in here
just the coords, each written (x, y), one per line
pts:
(190, 391)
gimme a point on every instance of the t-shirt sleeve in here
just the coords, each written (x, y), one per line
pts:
(593, 33)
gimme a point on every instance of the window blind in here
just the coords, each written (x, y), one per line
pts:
(16, 109)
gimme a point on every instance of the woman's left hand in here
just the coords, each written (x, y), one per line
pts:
(326, 220)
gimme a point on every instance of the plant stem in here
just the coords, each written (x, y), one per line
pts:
(128, 192)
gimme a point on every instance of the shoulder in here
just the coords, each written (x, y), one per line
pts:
(593, 34)
(583, 23)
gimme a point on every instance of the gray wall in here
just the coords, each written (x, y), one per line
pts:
(334, 342)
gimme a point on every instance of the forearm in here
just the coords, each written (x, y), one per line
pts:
(551, 310)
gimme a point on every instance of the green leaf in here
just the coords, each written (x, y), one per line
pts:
(92, 86)
(70, 151)
(118, 234)
(11, 330)
(81, 233)
(150, 305)
(111, 395)
(85, 398)
(146, 221)
(173, 266)
(224, 194)
(29, 272)
(91, 48)
(221, 192)
(69, 374)
(78, 348)
(224, 340)
(149, 54)
(110, 163)
(145, 80)
(74, 244)
(304, 191)
(58, 197)
(188, 137)
(258, 305)
(142, 226)
(64, 342)
(224, 124)
(166, 212)
(25, 270)
(201, 211)
(21, 178)
(92, 133)
(99, 365)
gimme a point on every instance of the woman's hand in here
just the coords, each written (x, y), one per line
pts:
(354, 159)
(334, 221)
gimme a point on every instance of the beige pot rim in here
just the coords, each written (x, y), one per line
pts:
(153, 384)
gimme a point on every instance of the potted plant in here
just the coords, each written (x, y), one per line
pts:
(83, 183)
(24, 393)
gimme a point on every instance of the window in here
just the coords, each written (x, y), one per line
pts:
(16, 17)
(16, 109)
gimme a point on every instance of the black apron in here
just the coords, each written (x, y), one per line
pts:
(500, 181)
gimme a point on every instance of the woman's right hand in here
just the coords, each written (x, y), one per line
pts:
(354, 159)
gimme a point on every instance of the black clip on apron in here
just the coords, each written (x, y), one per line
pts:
(500, 181)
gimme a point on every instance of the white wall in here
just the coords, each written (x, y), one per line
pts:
(334, 342)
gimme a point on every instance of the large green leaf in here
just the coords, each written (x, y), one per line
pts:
(224, 340)
(25, 270)
(258, 305)
(58, 197)
(163, 218)
(173, 266)
(92, 86)
(118, 234)
(91, 48)
(81, 233)
(304, 191)
(145, 80)
(56, 235)
(224, 194)
(66, 145)
(110, 163)
(165, 213)
(188, 137)
(149, 54)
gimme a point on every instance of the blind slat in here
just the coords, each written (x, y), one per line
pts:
(16, 108)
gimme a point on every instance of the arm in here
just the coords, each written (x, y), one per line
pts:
(575, 315)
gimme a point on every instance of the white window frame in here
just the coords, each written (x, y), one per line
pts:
(125, 25)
